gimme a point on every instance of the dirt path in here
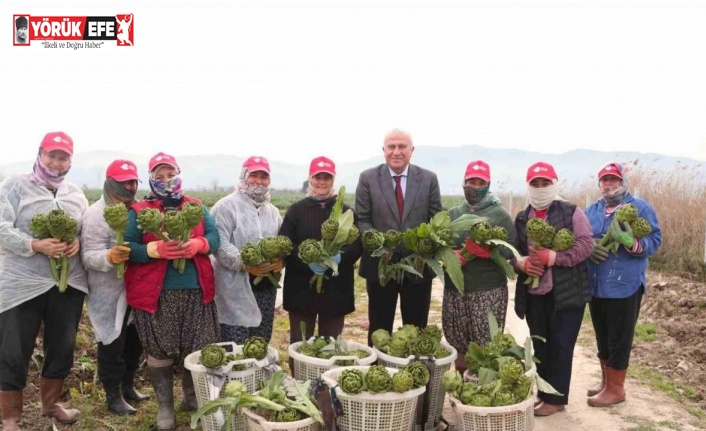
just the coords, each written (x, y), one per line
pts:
(644, 410)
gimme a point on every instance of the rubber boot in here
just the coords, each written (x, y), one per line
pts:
(11, 405)
(614, 391)
(115, 401)
(50, 392)
(188, 403)
(163, 383)
(596, 390)
(128, 388)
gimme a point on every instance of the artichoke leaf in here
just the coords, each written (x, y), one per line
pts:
(211, 407)
(486, 375)
(493, 324)
(441, 220)
(545, 387)
(452, 266)
(464, 223)
(507, 245)
(345, 222)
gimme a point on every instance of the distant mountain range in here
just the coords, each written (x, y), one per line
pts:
(508, 167)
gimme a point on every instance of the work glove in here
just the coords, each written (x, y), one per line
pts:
(476, 249)
(161, 249)
(118, 254)
(337, 258)
(542, 256)
(625, 237)
(195, 245)
(318, 268)
(460, 257)
(531, 269)
(598, 254)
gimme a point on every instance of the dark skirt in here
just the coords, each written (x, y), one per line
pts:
(183, 324)
(465, 317)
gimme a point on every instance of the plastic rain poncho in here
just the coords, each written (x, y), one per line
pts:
(106, 301)
(25, 274)
(239, 222)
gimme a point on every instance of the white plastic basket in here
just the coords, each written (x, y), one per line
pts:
(258, 423)
(436, 392)
(255, 372)
(516, 417)
(309, 368)
(390, 411)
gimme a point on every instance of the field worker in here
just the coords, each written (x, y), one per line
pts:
(29, 294)
(119, 347)
(465, 317)
(245, 216)
(302, 221)
(618, 281)
(174, 312)
(555, 308)
(396, 195)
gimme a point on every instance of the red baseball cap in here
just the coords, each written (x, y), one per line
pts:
(122, 170)
(57, 141)
(610, 169)
(163, 159)
(257, 163)
(541, 170)
(322, 164)
(478, 169)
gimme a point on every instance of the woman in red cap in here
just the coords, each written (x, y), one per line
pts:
(618, 280)
(465, 317)
(245, 309)
(29, 295)
(119, 347)
(174, 312)
(303, 221)
(554, 310)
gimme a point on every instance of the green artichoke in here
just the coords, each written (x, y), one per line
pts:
(424, 345)
(250, 254)
(115, 216)
(399, 346)
(287, 415)
(499, 232)
(320, 343)
(285, 245)
(521, 389)
(451, 381)
(377, 379)
(174, 224)
(480, 400)
(481, 232)
(510, 371)
(446, 235)
(402, 381)
(307, 349)
(426, 246)
(38, 226)
(468, 390)
(392, 238)
(310, 251)
(372, 239)
(410, 332)
(235, 388)
(419, 372)
(626, 213)
(269, 248)
(255, 347)
(352, 381)
(193, 213)
(329, 229)
(150, 220)
(62, 226)
(213, 356)
(563, 240)
(380, 338)
(434, 332)
(540, 232)
(641, 227)
(353, 234)
(504, 397)
(441, 352)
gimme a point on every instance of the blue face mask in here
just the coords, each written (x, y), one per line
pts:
(474, 195)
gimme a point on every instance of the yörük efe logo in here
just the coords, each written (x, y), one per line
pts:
(73, 31)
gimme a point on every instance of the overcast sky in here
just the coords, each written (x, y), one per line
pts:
(292, 80)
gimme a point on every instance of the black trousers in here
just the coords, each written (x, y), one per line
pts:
(121, 358)
(60, 314)
(382, 303)
(614, 321)
(560, 329)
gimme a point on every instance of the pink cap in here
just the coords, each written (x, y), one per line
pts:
(257, 163)
(122, 170)
(541, 170)
(322, 164)
(60, 141)
(163, 159)
(478, 169)
(610, 169)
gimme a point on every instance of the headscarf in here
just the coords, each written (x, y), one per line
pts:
(312, 194)
(258, 193)
(168, 191)
(45, 176)
(541, 197)
(479, 198)
(617, 196)
(114, 192)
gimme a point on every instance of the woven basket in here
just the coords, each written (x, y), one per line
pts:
(516, 417)
(258, 423)
(309, 368)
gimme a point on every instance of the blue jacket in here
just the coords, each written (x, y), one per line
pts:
(622, 275)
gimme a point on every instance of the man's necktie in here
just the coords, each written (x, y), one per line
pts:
(398, 195)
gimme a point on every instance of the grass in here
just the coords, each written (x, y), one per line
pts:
(655, 380)
(645, 332)
(644, 424)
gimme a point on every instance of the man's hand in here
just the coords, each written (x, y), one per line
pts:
(118, 254)
(476, 249)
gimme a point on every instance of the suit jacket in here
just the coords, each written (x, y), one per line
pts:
(376, 206)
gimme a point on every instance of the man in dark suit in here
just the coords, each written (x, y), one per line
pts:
(396, 195)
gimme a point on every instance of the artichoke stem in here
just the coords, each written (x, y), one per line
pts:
(272, 279)
(53, 263)
(64, 278)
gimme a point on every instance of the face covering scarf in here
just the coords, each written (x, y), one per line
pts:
(46, 177)
(258, 193)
